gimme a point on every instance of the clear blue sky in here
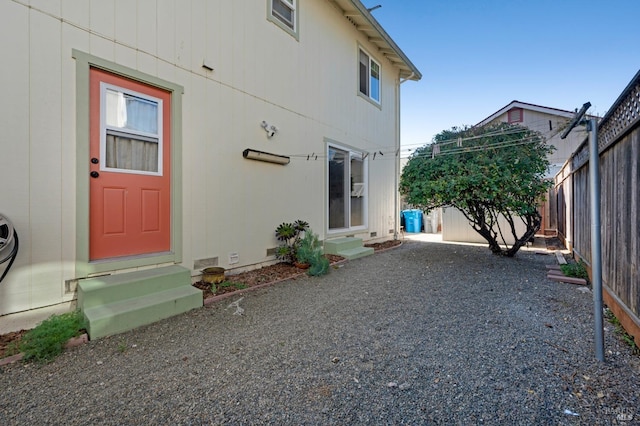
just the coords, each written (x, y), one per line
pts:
(476, 56)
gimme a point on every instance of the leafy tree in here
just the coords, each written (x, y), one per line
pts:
(485, 172)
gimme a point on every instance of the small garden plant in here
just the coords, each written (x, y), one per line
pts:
(620, 331)
(310, 251)
(577, 270)
(48, 339)
(289, 235)
(231, 284)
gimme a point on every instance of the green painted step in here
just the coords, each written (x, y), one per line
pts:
(355, 253)
(116, 303)
(341, 244)
(347, 247)
(114, 288)
(128, 314)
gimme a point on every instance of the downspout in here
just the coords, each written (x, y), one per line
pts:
(408, 78)
(397, 164)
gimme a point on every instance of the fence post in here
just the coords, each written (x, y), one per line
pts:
(596, 248)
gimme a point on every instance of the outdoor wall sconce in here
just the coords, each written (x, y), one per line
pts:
(253, 154)
(269, 128)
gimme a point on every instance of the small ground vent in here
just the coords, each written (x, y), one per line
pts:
(271, 251)
(391, 231)
(373, 234)
(205, 263)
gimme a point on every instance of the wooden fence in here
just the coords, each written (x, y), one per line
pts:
(619, 148)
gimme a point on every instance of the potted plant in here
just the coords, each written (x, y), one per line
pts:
(310, 253)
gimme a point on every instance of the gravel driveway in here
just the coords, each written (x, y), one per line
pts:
(425, 333)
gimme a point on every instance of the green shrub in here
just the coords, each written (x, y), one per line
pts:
(310, 251)
(308, 247)
(319, 265)
(47, 340)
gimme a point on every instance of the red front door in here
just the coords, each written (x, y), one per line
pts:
(130, 165)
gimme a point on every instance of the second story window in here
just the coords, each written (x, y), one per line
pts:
(369, 76)
(283, 13)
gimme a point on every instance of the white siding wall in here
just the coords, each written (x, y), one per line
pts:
(456, 227)
(307, 88)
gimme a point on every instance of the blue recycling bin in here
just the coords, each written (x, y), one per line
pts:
(412, 220)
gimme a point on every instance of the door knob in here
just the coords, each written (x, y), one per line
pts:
(94, 174)
(94, 160)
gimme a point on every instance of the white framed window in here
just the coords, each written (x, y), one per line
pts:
(284, 13)
(130, 131)
(347, 193)
(368, 76)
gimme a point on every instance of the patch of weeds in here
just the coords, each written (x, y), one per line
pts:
(12, 348)
(122, 347)
(620, 331)
(47, 340)
(577, 270)
(231, 284)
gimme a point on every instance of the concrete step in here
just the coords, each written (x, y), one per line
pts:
(355, 253)
(127, 314)
(112, 304)
(337, 245)
(114, 288)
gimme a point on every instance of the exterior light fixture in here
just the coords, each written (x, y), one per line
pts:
(252, 154)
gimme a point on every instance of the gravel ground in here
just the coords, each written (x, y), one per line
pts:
(420, 334)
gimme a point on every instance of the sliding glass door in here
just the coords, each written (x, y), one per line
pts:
(347, 189)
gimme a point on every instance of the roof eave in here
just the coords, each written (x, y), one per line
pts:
(379, 37)
(525, 105)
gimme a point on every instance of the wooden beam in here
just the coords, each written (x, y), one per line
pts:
(570, 280)
(560, 258)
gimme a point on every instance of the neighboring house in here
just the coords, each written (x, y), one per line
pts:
(550, 122)
(129, 133)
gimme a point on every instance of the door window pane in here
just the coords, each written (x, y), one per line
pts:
(357, 191)
(131, 154)
(131, 139)
(337, 182)
(124, 111)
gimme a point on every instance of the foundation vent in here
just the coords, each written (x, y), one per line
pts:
(205, 263)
